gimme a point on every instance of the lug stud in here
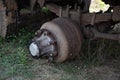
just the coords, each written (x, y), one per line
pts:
(45, 33)
(38, 33)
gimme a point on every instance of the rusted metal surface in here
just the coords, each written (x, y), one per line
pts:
(105, 30)
(116, 13)
(54, 40)
(105, 35)
(73, 35)
(44, 45)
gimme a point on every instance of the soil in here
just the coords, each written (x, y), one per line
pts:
(43, 70)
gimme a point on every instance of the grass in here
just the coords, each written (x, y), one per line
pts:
(100, 50)
(13, 56)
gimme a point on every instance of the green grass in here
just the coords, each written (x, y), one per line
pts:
(14, 56)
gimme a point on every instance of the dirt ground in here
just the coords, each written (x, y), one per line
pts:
(54, 72)
(42, 70)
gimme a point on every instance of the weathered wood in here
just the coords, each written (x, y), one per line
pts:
(116, 13)
(86, 18)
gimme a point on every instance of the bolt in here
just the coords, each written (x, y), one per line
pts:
(51, 54)
(38, 33)
(46, 33)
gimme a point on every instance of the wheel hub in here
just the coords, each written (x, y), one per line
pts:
(43, 45)
(34, 50)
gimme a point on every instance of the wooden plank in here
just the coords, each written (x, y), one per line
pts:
(116, 13)
(87, 17)
(83, 18)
